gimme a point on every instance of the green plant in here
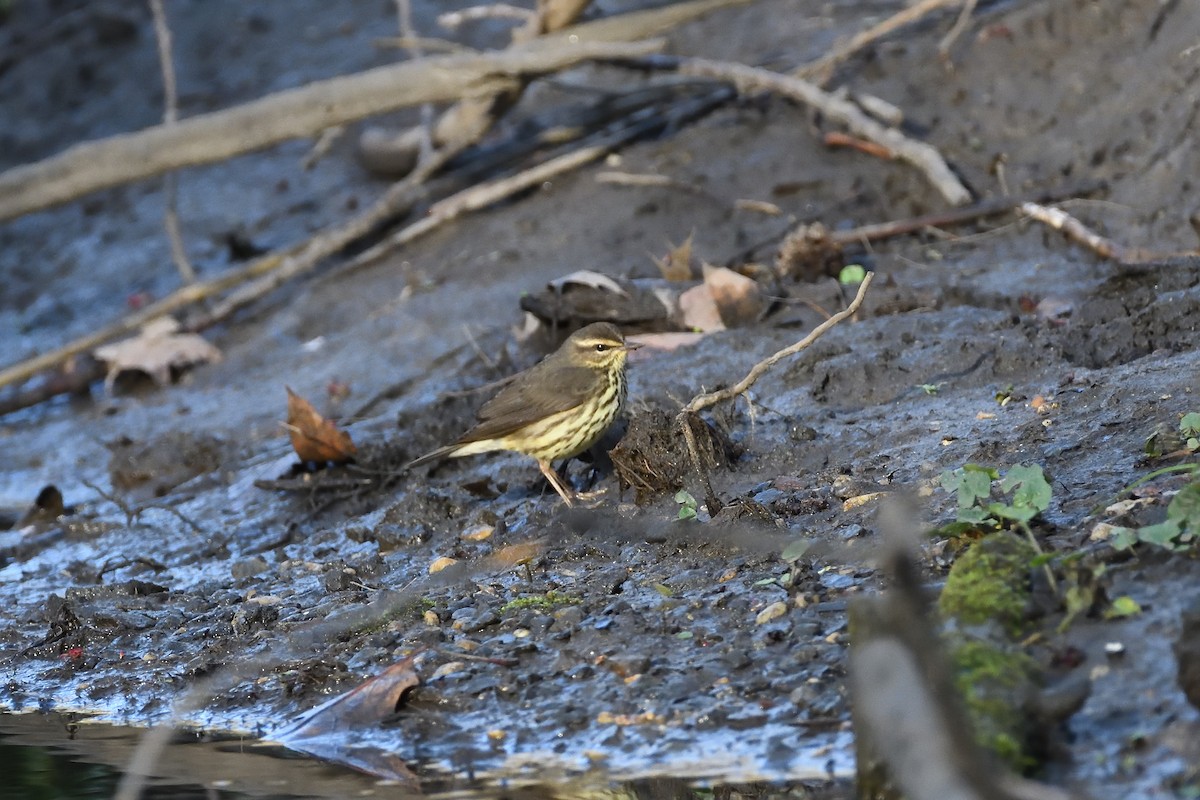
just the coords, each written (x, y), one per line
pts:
(1181, 528)
(1029, 495)
(852, 274)
(1178, 531)
(1189, 428)
(687, 505)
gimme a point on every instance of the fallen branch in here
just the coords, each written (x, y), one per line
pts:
(923, 156)
(709, 399)
(689, 420)
(394, 153)
(263, 275)
(1077, 232)
(483, 195)
(812, 246)
(296, 113)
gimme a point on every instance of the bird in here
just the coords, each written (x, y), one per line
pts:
(556, 409)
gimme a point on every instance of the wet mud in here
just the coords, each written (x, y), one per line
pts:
(202, 567)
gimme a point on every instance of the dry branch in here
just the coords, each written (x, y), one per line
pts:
(1076, 231)
(822, 68)
(923, 156)
(709, 399)
(166, 62)
(291, 114)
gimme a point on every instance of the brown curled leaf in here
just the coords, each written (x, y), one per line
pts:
(314, 437)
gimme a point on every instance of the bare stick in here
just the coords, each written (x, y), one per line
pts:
(923, 156)
(395, 201)
(822, 68)
(166, 62)
(415, 50)
(1076, 231)
(960, 25)
(709, 399)
(477, 197)
(984, 208)
(295, 113)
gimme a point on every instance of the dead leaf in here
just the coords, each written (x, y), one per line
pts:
(591, 278)
(738, 298)
(315, 438)
(158, 347)
(698, 311)
(676, 265)
(331, 730)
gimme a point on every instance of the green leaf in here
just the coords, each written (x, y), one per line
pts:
(976, 484)
(1014, 512)
(930, 388)
(1123, 538)
(795, 550)
(1032, 489)
(764, 581)
(684, 635)
(664, 590)
(1185, 507)
(1123, 606)
(685, 498)
(975, 516)
(1190, 424)
(852, 274)
(686, 512)
(1163, 534)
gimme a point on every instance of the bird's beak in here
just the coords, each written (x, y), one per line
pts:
(631, 346)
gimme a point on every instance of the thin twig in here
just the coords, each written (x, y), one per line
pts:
(709, 399)
(1076, 231)
(923, 156)
(416, 50)
(821, 69)
(960, 25)
(166, 63)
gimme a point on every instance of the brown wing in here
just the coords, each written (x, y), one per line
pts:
(533, 395)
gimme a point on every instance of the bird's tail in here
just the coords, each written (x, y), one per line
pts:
(468, 448)
(436, 455)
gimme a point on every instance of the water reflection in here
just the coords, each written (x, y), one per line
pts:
(52, 757)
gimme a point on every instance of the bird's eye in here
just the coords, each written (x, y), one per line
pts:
(600, 348)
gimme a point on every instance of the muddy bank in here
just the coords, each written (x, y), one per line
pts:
(616, 638)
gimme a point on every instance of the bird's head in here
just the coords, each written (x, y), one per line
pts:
(599, 346)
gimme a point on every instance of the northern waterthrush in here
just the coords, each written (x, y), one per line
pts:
(557, 408)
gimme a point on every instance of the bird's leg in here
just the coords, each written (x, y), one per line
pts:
(563, 492)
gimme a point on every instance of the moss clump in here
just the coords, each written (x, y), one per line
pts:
(548, 600)
(994, 681)
(993, 675)
(990, 582)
